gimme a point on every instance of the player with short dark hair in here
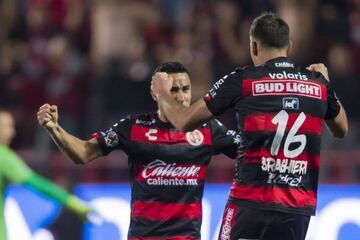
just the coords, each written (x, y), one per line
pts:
(14, 170)
(167, 166)
(280, 111)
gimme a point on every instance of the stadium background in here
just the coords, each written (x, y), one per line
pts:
(94, 59)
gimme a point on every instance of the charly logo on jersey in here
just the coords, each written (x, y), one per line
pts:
(291, 103)
(159, 172)
(111, 138)
(151, 134)
(195, 138)
(284, 64)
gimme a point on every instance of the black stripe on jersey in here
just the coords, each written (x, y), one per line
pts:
(273, 104)
(168, 194)
(275, 207)
(171, 228)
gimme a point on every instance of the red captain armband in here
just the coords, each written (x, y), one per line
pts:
(95, 135)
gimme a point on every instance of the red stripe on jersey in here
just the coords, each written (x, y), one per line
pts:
(247, 87)
(291, 197)
(255, 156)
(156, 135)
(283, 87)
(164, 238)
(160, 211)
(263, 122)
(159, 170)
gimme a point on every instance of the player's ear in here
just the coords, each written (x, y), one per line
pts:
(254, 48)
(289, 47)
(153, 95)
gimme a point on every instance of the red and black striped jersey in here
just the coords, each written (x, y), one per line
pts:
(167, 171)
(280, 111)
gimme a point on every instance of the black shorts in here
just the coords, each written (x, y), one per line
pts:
(245, 223)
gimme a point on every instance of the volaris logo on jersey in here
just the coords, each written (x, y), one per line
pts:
(161, 173)
(285, 75)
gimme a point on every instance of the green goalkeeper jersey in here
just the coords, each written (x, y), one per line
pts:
(14, 170)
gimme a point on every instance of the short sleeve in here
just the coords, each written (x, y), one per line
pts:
(224, 93)
(333, 105)
(12, 167)
(224, 141)
(116, 137)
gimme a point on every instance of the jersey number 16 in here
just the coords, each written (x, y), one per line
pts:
(281, 120)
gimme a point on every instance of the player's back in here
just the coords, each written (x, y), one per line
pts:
(280, 114)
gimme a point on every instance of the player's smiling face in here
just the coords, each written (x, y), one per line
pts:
(181, 88)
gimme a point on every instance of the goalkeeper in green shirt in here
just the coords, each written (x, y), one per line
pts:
(14, 170)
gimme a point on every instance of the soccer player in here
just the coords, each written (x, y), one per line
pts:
(14, 170)
(280, 110)
(168, 167)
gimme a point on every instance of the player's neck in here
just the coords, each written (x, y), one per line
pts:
(162, 116)
(267, 55)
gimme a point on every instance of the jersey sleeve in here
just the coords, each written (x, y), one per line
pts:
(224, 93)
(333, 104)
(12, 167)
(224, 141)
(116, 137)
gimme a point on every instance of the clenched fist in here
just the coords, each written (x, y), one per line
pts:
(161, 83)
(319, 67)
(48, 116)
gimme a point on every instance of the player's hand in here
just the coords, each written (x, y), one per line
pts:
(321, 68)
(48, 116)
(161, 84)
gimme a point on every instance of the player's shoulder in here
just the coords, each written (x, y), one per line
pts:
(249, 71)
(235, 75)
(214, 124)
(144, 118)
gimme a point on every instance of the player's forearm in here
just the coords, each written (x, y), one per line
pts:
(76, 149)
(184, 118)
(339, 125)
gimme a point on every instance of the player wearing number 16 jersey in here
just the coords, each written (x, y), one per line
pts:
(280, 111)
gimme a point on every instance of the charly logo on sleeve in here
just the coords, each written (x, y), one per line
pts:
(195, 137)
(111, 138)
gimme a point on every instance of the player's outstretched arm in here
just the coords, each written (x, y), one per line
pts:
(79, 151)
(16, 171)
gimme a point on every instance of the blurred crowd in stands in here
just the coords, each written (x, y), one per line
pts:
(94, 59)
